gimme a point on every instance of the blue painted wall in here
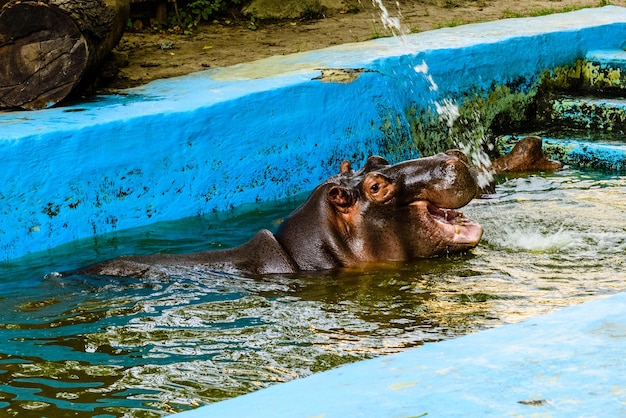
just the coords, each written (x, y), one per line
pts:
(258, 131)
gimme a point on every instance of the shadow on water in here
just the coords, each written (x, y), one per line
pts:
(96, 346)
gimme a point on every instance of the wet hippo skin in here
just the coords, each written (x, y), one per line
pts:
(380, 212)
(527, 155)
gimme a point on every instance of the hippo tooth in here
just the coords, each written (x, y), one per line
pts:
(457, 229)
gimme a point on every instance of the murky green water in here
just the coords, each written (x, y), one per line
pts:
(141, 348)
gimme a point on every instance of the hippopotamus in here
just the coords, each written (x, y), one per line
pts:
(380, 212)
(527, 155)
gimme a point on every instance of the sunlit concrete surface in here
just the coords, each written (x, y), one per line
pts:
(570, 363)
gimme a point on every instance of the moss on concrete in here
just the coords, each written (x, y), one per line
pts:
(583, 74)
(396, 140)
(480, 115)
(595, 75)
(566, 78)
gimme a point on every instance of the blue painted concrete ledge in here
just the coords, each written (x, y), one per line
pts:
(258, 131)
(570, 363)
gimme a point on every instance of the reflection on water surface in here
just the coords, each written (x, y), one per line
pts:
(114, 347)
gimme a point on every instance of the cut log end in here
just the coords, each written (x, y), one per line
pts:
(42, 55)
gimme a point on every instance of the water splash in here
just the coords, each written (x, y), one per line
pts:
(447, 111)
(392, 23)
(474, 148)
(533, 239)
(423, 70)
(472, 140)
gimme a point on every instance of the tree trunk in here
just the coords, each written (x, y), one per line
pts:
(48, 47)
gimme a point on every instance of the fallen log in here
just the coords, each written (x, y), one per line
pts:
(48, 48)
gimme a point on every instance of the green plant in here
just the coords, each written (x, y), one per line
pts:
(450, 24)
(510, 14)
(507, 14)
(252, 25)
(376, 33)
(196, 11)
(313, 12)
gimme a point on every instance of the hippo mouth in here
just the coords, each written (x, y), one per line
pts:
(459, 230)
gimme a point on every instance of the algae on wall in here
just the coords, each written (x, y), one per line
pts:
(559, 102)
(470, 122)
(479, 116)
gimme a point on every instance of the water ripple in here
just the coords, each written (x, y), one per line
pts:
(143, 348)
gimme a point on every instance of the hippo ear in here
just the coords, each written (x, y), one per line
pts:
(341, 198)
(345, 167)
(373, 163)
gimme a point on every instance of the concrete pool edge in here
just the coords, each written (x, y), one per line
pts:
(259, 131)
(565, 363)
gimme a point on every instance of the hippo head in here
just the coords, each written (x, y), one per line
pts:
(385, 212)
(526, 155)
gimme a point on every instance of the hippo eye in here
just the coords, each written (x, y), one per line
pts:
(378, 187)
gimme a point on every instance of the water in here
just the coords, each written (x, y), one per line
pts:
(146, 348)
(390, 22)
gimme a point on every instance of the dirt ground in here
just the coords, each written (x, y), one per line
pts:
(152, 55)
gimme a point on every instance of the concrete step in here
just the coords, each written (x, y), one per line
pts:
(594, 93)
(585, 154)
(605, 70)
(588, 112)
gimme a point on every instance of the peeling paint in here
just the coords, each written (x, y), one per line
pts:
(339, 75)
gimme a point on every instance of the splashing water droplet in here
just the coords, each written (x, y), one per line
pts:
(423, 70)
(447, 111)
(391, 22)
(472, 141)
(532, 239)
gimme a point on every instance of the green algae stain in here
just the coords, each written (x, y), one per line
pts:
(581, 74)
(565, 78)
(482, 114)
(597, 76)
(478, 116)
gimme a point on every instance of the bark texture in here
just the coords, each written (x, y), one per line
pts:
(48, 47)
